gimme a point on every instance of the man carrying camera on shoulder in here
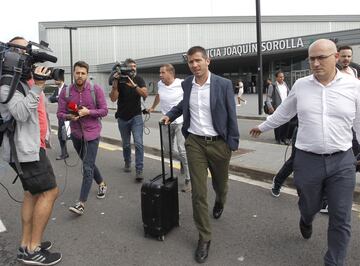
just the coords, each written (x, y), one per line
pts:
(127, 90)
(27, 108)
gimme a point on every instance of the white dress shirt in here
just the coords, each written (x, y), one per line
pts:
(170, 96)
(326, 114)
(283, 90)
(200, 112)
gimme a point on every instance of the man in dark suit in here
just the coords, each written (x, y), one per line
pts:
(276, 94)
(211, 132)
(62, 135)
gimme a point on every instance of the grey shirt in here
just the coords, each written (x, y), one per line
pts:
(27, 132)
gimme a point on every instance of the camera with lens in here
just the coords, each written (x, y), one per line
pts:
(15, 58)
(124, 72)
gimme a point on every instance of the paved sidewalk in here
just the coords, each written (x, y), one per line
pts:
(255, 159)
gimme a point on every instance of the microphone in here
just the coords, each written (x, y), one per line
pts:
(42, 57)
(73, 108)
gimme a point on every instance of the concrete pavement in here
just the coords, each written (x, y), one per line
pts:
(255, 159)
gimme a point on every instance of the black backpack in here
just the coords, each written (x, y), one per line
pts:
(9, 126)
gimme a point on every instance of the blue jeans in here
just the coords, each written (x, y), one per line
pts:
(133, 126)
(87, 150)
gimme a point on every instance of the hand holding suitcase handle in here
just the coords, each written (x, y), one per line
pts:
(161, 124)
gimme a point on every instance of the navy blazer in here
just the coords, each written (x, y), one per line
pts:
(223, 109)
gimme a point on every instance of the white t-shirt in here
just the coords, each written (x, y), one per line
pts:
(170, 96)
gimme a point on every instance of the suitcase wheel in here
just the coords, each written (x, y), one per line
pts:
(161, 238)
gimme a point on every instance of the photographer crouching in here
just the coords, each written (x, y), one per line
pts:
(22, 102)
(127, 90)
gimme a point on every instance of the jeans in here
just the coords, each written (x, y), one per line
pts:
(132, 126)
(87, 151)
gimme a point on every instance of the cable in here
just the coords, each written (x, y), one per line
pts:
(146, 118)
(8, 192)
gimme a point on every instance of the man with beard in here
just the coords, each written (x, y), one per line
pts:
(344, 61)
(88, 105)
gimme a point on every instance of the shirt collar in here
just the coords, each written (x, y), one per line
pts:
(339, 75)
(206, 82)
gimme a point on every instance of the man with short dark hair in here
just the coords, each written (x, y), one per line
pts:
(38, 179)
(90, 105)
(211, 132)
(328, 106)
(344, 61)
(128, 94)
(276, 94)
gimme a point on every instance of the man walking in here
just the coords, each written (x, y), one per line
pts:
(90, 105)
(38, 179)
(128, 95)
(211, 132)
(328, 106)
(170, 93)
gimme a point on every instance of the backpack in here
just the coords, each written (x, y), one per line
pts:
(9, 126)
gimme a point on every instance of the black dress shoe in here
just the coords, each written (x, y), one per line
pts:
(202, 251)
(217, 210)
(62, 157)
(306, 230)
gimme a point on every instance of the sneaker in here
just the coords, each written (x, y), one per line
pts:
(46, 245)
(275, 190)
(245, 102)
(78, 208)
(139, 176)
(187, 186)
(324, 209)
(127, 167)
(102, 191)
(42, 257)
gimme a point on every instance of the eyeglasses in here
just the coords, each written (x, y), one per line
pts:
(320, 58)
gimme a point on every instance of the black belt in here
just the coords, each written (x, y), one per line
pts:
(324, 154)
(208, 138)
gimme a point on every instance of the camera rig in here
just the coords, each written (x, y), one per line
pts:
(17, 63)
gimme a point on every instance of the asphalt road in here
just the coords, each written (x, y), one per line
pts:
(255, 229)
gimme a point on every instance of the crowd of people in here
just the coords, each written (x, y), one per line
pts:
(320, 114)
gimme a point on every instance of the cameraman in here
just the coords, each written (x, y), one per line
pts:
(38, 180)
(128, 91)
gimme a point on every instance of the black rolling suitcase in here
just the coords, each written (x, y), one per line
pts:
(159, 199)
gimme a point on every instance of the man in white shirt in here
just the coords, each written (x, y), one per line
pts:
(170, 93)
(276, 94)
(328, 106)
(345, 58)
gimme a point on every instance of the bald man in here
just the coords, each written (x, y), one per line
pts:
(328, 106)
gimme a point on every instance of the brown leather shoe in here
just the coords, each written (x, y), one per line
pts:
(217, 210)
(202, 251)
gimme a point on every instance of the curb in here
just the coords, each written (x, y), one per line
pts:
(251, 173)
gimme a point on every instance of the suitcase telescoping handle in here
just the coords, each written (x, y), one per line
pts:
(161, 124)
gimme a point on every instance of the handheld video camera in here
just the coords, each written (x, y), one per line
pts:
(124, 71)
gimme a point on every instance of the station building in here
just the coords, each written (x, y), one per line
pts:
(230, 43)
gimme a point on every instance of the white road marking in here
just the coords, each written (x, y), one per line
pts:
(2, 227)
